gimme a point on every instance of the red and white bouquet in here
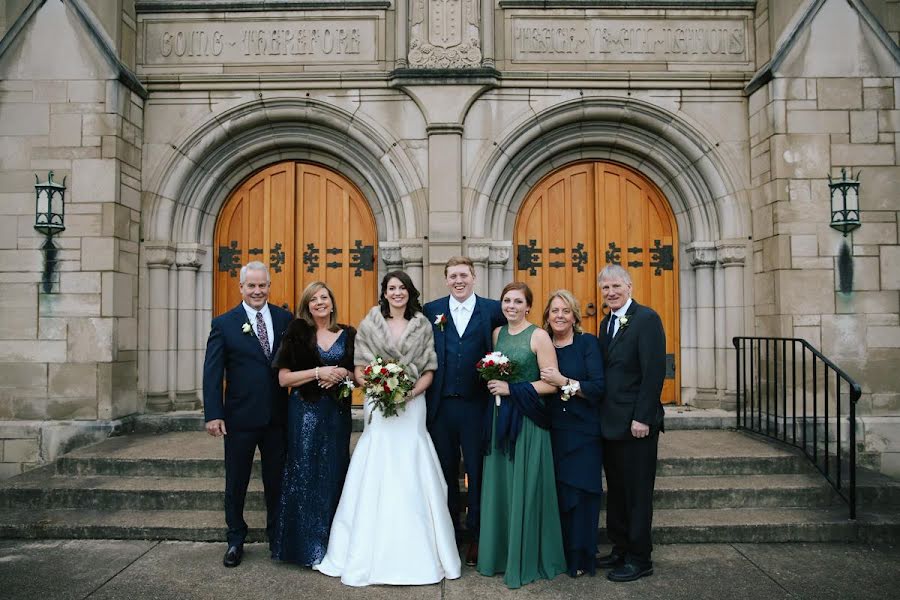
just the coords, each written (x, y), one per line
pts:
(495, 365)
(387, 384)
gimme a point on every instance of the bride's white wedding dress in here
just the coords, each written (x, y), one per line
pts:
(392, 525)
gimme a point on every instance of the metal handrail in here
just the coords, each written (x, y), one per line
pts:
(766, 376)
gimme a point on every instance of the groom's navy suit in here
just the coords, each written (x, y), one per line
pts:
(457, 398)
(254, 408)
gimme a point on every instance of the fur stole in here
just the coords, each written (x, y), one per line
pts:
(415, 348)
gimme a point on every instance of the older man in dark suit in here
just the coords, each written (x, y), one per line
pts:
(251, 411)
(633, 344)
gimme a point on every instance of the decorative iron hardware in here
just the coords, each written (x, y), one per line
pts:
(230, 258)
(527, 257)
(334, 251)
(362, 258)
(662, 258)
(635, 264)
(670, 366)
(334, 265)
(311, 258)
(614, 254)
(579, 257)
(276, 258)
(635, 250)
(557, 250)
(556, 265)
(254, 251)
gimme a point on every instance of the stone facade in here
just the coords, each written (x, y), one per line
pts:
(445, 115)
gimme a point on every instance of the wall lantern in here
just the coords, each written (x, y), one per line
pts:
(844, 202)
(49, 219)
(49, 206)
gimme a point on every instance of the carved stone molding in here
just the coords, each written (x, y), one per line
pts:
(189, 256)
(702, 254)
(731, 253)
(499, 254)
(390, 255)
(445, 34)
(412, 252)
(159, 254)
(478, 251)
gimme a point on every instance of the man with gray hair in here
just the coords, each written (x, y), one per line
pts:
(633, 345)
(250, 412)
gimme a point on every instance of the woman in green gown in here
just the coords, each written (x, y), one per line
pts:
(521, 535)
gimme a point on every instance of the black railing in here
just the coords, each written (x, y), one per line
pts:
(787, 390)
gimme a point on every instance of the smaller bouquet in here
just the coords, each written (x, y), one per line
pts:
(387, 384)
(347, 387)
(495, 365)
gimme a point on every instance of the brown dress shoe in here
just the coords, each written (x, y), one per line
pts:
(472, 554)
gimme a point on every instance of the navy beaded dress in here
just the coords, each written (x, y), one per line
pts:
(317, 459)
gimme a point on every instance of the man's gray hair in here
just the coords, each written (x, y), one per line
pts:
(614, 272)
(254, 265)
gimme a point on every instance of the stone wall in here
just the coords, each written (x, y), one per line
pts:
(69, 354)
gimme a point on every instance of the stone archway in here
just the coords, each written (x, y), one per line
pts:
(184, 197)
(706, 194)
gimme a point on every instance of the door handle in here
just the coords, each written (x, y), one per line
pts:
(590, 310)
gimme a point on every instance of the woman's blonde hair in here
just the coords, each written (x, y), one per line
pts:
(306, 298)
(569, 298)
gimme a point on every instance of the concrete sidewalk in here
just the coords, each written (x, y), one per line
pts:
(102, 569)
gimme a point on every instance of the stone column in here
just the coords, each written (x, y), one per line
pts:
(390, 255)
(479, 251)
(731, 255)
(401, 29)
(497, 260)
(412, 254)
(188, 258)
(159, 257)
(487, 33)
(444, 195)
(703, 260)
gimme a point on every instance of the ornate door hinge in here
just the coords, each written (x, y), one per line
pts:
(230, 258)
(527, 257)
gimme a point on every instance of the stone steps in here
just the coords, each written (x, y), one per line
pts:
(712, 486)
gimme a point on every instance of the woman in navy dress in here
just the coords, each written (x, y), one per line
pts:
(315, 358)
(575, 429)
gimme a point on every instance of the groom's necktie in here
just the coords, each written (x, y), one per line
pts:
(263, 334)
(611, 330)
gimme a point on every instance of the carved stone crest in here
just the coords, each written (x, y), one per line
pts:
(445, 34)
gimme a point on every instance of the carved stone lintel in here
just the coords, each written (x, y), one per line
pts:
(702, 254)
(731, 253)
(390, 255)
(499, 255)
(478, 251)
(412, 252)
(158, 254)
(445, 34)
(189, 256)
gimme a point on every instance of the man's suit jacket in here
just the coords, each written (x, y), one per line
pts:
(485, 317)
(252, 397)
(635, 364)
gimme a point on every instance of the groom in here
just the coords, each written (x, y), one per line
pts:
(251, 411)
(462, 324)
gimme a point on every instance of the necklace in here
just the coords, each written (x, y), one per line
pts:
(562, 345)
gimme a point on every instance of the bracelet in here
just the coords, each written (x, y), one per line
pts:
(317, 373)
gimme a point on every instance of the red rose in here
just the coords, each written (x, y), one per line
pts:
(384, 371)
(490, 363)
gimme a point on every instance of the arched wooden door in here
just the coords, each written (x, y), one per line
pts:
(307, 223)
(585, 215)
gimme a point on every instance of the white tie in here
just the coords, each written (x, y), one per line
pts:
(458, 319)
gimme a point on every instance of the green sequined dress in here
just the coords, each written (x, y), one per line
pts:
(521, 535)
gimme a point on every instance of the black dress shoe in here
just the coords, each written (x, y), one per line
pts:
(629, 572)
(613, 559)
(233, 556)
(472, 554)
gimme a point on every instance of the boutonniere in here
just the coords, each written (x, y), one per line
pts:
(440, 321)
(246, 328)
(623, 321)
(347, 387)
(570, 389)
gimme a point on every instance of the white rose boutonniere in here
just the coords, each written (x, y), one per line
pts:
(623, 321)
(440, 321)
(246, 328)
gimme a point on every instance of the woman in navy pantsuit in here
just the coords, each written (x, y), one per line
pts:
(575, 429)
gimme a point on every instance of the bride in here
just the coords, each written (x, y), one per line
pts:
(392, 525)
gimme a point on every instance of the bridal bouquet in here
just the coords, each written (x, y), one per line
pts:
(495, 365)
(387, 384)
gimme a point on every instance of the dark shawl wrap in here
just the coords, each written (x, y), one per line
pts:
(524, 400)
(299, 350)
